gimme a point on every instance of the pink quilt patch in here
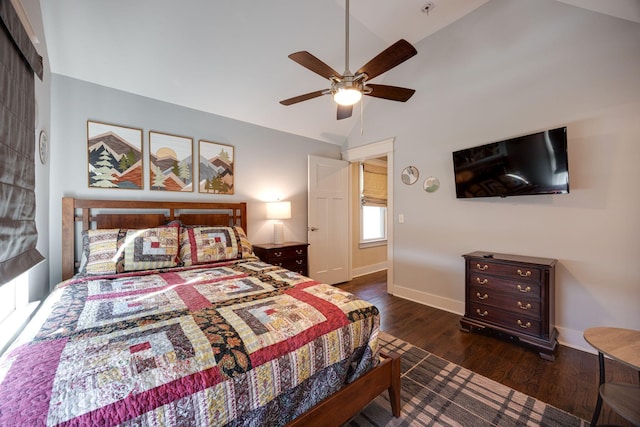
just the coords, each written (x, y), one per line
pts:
(26, 390)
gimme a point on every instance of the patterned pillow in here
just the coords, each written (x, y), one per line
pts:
(100, 253)
(245, 244)
(203, 244)
(151, 248)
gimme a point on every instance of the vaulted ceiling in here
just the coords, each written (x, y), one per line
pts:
(229, 57)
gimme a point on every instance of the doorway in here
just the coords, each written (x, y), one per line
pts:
(355, 156)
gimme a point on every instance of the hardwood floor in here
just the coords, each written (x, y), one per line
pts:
(569, 383)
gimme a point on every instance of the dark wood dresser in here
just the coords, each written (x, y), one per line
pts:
(514, 295)
(289, 255)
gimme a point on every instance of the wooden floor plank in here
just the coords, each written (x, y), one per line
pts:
(568, 383)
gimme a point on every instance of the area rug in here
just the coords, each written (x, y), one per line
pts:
(436, 392)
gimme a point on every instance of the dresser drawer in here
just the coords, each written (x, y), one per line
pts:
(506, 319)
(519, 272)
(519, 304)
(506, 284)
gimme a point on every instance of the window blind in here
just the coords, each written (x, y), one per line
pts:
(18, 62)
(374, 185)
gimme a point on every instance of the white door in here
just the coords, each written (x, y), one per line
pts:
(328, 230)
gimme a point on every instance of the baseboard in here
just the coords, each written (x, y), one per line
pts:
(574, 339)
(567, 337)
(431, 300)
(368, 269)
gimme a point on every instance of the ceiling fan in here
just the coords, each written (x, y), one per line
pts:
(347, 88)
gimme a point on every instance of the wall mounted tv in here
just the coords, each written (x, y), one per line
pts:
(525, 165)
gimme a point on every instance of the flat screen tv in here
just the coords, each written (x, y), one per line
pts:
(525, 165)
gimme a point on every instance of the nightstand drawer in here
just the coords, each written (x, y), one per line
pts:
(286, 254)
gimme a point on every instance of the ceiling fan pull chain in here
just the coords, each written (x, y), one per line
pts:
(361, 116)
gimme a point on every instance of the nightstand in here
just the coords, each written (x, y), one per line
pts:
(289, 255)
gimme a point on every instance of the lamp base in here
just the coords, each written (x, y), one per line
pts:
(278, 233)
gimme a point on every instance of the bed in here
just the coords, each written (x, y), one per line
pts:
(166, 317)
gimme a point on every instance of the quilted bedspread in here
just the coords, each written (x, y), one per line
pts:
(235, 343)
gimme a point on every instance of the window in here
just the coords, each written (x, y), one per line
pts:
(373, 202)
(14, 308)
(374, 223)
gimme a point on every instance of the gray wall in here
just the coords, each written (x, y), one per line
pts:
(507, 69)
(268, 163)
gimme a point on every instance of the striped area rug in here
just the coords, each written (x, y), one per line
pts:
(436, 392)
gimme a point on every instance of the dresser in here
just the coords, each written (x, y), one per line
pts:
(289, 255)
(514, 295)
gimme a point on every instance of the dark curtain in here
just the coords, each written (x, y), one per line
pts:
(18, 63)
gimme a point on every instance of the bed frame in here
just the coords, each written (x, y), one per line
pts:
(84, 214)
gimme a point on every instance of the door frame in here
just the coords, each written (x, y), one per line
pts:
(369, 151)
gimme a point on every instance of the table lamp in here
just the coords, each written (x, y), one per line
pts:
(278, 211)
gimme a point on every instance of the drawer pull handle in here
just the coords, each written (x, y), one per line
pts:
(482, 281)
(482, 313)
(485, 296)
(523, 306)
(524, 325)
(299, 251)
(299, 261)
(278, 254)
(482, 267)
(522, 274)
(525, 290)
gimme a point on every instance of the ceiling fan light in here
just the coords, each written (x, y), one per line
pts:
(347, 96)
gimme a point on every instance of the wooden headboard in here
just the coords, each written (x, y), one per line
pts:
(93, 214)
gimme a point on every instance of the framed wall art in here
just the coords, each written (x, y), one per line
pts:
(216, 168)
(170, 162)
(115, 156)
(410, 175)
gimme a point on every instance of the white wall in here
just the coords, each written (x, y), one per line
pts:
(507, 69)
(267, 163)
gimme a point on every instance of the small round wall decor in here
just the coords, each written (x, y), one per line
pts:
(431, 184)
(43, 147)
(409, 175)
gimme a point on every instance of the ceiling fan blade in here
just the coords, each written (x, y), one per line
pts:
(312, 63)
(344, 111)
(394, 55)
(393, 93)
(304, 97)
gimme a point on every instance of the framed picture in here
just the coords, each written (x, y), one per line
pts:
(216, 168)
(115, 156)
(170, 162)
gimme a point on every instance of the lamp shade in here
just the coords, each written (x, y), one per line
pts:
(278, 210)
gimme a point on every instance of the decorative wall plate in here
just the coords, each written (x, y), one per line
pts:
(410, 175)
(431, 184)
(43, 147)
